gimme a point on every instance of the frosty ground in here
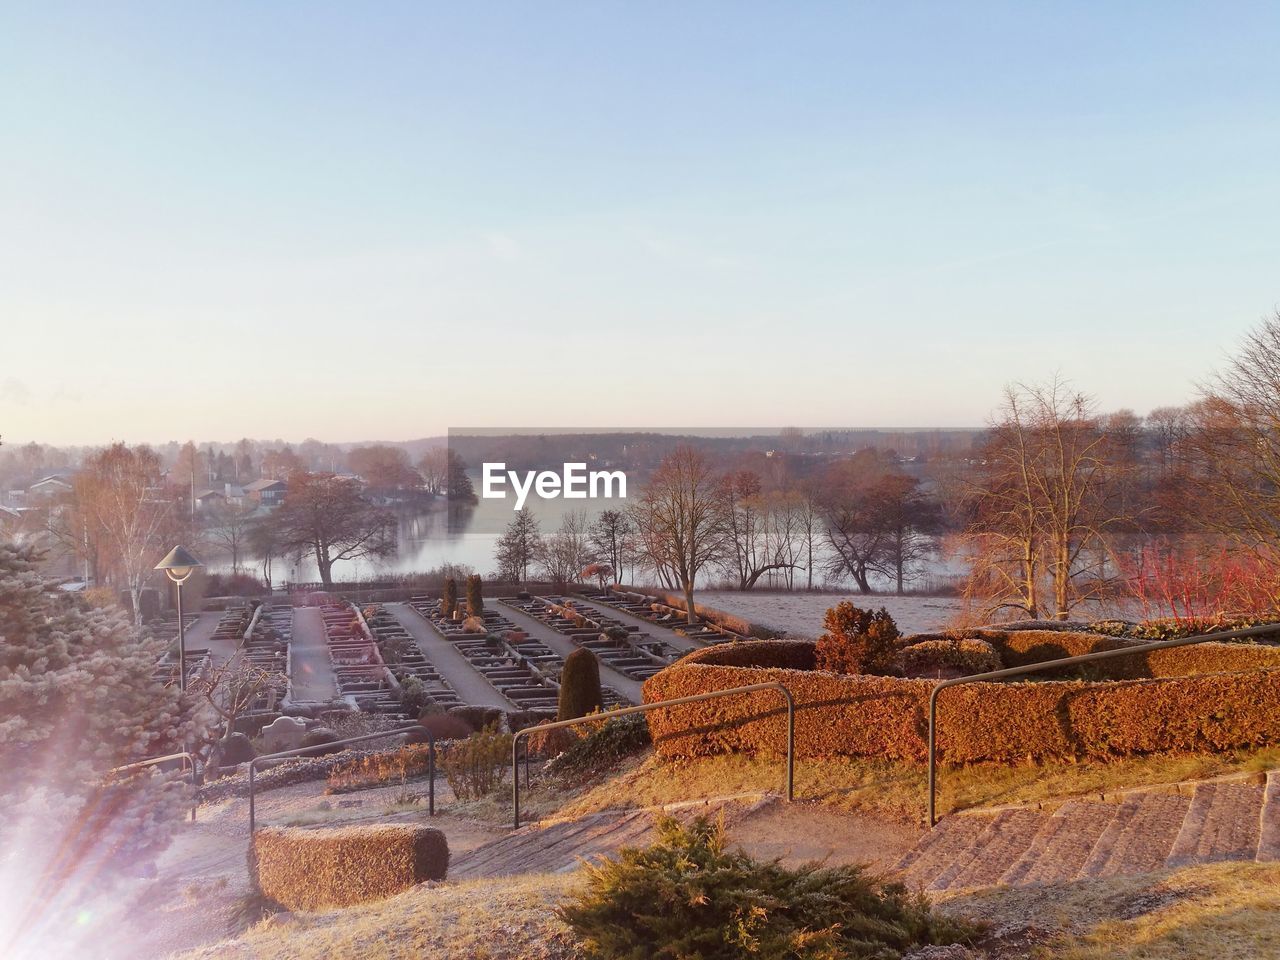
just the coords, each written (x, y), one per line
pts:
(800, 614)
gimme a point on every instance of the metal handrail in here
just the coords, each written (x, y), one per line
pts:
(327, 747)
(188, 759)
(644, 708)
(1063, 662)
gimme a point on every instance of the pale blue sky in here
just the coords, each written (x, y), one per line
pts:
(376, 220)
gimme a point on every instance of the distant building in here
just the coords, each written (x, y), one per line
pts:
(10, 520)
(210, 499)
(49, 487)
(266, 493)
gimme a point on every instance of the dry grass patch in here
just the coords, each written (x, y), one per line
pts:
(1223, 910)
(894, 791)
(511, 918)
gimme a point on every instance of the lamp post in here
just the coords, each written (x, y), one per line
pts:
(178, 565)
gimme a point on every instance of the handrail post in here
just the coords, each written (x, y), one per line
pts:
(515, 779)
(791, 743)
(933, 758)
(252, 819)
(431, 773)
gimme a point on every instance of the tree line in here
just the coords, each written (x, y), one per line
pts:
(1059, 509)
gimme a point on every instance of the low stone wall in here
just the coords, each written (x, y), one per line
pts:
(1156, 707)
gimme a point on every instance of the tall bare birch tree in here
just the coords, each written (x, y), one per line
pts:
(119, 495)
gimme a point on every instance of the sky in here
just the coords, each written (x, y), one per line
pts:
(379, 220)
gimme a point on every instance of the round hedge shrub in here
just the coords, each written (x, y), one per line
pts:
(580, 692)
(857, 640)
(962, 656)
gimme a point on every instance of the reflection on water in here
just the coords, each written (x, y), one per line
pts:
(429, 538)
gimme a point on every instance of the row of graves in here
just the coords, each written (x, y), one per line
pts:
(408, 664)
(266, 650)
(655, 611)
(524, 670)
(362, 678)
(624, 647)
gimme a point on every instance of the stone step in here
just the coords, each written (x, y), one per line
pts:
(952, 838)
(1222, 823)
(1140, 837)
(1063, 844)
(998, 847)
(1269, 832)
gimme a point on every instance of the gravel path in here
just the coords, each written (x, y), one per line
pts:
(312, 671)
(467, 682)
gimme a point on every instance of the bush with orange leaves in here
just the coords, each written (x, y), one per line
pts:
(857, 640)
(381, 768)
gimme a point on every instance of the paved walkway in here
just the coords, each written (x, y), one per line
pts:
(467, 682)
(200, 635)
(312, 671)
(564, 646)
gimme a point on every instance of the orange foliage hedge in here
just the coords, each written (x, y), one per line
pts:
(315, 868)
(886, 717)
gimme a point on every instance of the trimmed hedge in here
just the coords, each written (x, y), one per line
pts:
(313, 869)
(967, 656)
(886, 717)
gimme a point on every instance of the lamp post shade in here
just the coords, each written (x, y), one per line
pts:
(179, 564)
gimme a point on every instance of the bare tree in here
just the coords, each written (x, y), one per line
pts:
(434, 469)
(567, 552)
(854, 525)
(752, 550)
(680, 517)
(1041, 505)
(230, 528)
(611, 535)
(383, 466)
(118, 490)
(911, 521)
(518, 547)
(328, 518)
(1232, 448)
(231, 688)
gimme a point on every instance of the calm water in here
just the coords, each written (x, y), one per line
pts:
(429, 538)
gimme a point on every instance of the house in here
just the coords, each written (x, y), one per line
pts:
(52, 486)
(266, 493)
(210, 499)
(10, 520)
